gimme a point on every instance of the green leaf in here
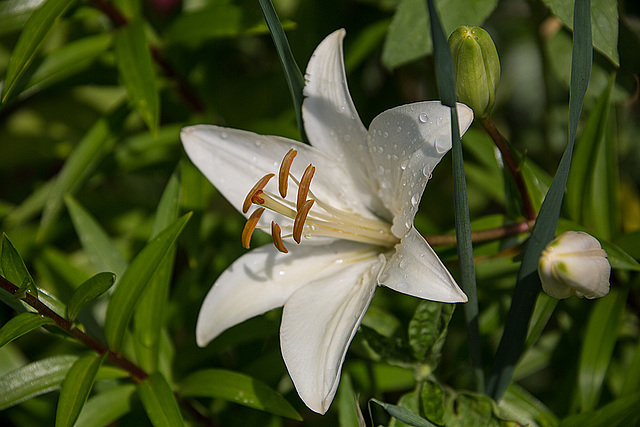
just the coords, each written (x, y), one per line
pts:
(428, 330)
(238, 388)
(524, 407)
(447, 89)
(620, 412)
(13, 269)
(41, 21)
(432, 398)
(403, 415)
(133, 282)
(409, 37)
(591, 187)
(75, 389)
(103, 254)
(597, 348)
(474, 409)
(70, 59)
(392, 349)
(528, 284)
(151, 310)
(107, 407)
(86, 155)
(349, 414)
(295, 80)
(33, 379)
(137, 73)
(21, 324)
(15, 13)
(88, 292)
(604, 23)
(159, 401)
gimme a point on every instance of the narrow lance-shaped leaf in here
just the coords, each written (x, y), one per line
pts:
(292, 72)
(404, 415)
(103, 254)
(13, 269)
(75, 389)
(597, 348)
(133, 281)
(82, 160)
(238, 388)
(149, 315)
(159, 401)
(528, 284)
(137, 73)
(41, 21)
(88, 292)
(447, 89)
(20, 325)
(107, 407)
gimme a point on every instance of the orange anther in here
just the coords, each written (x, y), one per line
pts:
(283, 173)
(262, 182)
(250, 225)
(301, 217)
(277, 238)
(305, 182)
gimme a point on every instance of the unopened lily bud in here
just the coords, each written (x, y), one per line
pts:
(574, 263)
(477, 68)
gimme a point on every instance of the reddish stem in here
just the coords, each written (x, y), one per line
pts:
(482, 235)
(512, 165)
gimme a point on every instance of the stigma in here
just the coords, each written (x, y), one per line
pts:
(305, 215)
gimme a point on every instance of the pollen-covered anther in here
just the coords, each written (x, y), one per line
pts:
(262, 182)
(250, 226)
(283, 173)
(301, 217)
(303, 189)
(276, 235)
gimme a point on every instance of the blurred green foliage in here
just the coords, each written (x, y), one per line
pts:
(94, 94)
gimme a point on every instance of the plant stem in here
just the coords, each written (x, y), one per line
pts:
(137, 373)
(512, 165)
(482, 235)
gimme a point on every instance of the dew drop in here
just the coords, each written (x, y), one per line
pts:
(404, 164)
(384, 277)
(381, 149)
(423, 117)
(385, 134)
(224, 135)
(403, 264)
(380, 170)
(399, 129)
(281, 272)
(403, 286)
(415, 199)
(426, 171)
(439, 121)
(339, 261)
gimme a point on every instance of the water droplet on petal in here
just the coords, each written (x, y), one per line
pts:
(385, 134)
(224, 135)
(403, 286)
(415, 199)
(281, 272)
(381, 149)
(399, 129)
(384, 277)
(423, 117)
(380, 170)
(439, 121)
(404, 164)
(426, 171)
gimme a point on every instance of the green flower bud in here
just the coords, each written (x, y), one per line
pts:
(574, 263)
(477, 68)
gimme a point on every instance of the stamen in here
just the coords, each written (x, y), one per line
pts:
(250, 226)
(301, 217)
(262, 182)
(303, 188)
(283, 173)
(277, 238)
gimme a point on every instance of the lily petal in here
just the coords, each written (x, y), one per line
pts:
(234, 160)
(415, 269)
(406, 143)
(587, 276)
(318, 323)
(330, 118)
(264, 278)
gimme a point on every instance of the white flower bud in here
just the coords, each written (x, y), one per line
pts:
(574, 263)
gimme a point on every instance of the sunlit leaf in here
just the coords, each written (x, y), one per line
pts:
(15, 13)
(428, 330)
(75, 389)
(159, 401)
(41, 21)
(238, 388)
(133, 281)
(21, 324)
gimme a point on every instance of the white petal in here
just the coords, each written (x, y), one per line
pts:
(331, 121)
(406, 144)
(415, 269)
(234, 160)
(588, 276)
(263, 279)
(318, 323)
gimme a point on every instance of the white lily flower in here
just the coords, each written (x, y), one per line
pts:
(574, 263)
(347, 220)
